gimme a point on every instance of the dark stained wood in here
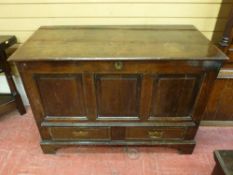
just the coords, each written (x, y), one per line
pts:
(185, 147)
(52, 88)
(93, 83)
(117, 133)
(82, 133)
(204, 94)
(146, 96)
(224, 162)
(90, 95)
(116, 123)
(15, 102)
(226, 40)
(219, 107)
(117, 43)
(117, 96)
(221, 101)
(7, 103)
(142, 67)
(153, 133)
(174, 95)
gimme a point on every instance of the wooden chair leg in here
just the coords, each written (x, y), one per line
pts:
(19, 104)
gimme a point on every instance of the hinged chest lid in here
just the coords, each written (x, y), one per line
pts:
(117, 43)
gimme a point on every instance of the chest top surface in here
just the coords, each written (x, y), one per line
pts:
(118, 43)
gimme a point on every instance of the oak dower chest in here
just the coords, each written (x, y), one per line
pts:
(118, 85)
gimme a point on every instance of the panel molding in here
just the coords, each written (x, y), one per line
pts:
(78, 102)
(107, 100)
(172, 111)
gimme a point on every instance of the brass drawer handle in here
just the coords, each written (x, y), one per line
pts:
(118, 65)
(80, 133)
(155, 134)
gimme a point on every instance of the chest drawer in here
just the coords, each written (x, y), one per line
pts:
(80, 133)
(152, 133)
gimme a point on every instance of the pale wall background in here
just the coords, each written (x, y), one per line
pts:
(23, 17)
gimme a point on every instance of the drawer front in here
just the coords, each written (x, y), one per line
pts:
(151, 133)
(80, 133)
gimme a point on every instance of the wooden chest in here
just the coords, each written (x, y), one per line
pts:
(118, 85)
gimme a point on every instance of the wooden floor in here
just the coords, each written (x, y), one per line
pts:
(20, 154)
